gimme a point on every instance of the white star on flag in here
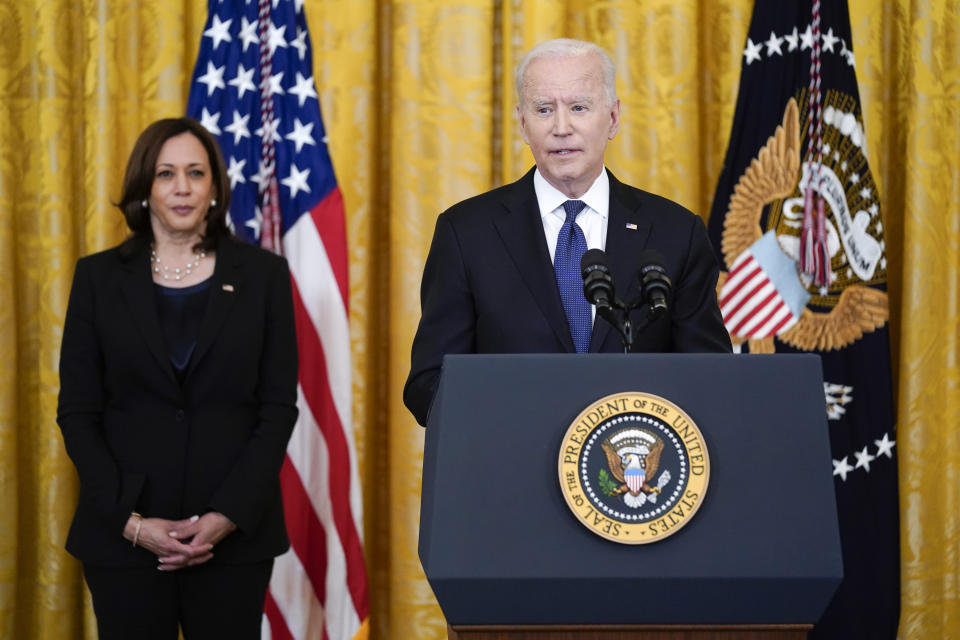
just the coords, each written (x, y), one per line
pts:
(847, 53)
(248, 33)
(238, 127)
(304, 89)
(243, 80)
(296, 181)
(773, 45)
(275, 37)
(261, 176)
(806, 39)
(863, 459)
(842, 468)
(209, 122)
(752, 52)
(213, 78)
(829, 40)
(219, 32)
(275, 88)
(301, 134)
(235, 172)
(300, 43)
(885, 446)
(792, 39)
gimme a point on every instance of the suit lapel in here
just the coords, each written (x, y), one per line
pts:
(224, 288)
(627, 233)
(521, 231)
(137, 290)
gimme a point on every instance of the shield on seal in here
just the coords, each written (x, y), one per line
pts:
(634, 478)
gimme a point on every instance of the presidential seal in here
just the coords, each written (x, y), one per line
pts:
(633, 468)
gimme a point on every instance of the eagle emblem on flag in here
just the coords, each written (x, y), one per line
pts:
(760, 263)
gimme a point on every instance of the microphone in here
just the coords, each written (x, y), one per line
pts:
(655, 284)
(597, 281)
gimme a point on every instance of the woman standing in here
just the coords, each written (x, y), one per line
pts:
(178, 376)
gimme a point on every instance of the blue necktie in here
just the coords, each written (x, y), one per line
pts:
(571, 245)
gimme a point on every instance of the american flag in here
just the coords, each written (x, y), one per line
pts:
(253, 88)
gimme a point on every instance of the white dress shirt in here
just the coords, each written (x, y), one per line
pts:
(592, 219)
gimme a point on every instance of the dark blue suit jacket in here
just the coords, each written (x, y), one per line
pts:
(143, 442)
(489, 285)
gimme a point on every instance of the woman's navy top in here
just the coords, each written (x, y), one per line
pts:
(181, 311)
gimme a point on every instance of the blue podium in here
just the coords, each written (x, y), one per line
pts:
(506, 557)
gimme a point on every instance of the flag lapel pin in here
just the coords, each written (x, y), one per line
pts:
(228, 288)
(631, 226)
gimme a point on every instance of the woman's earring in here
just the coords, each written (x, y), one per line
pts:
(213, 203)
(143, 204)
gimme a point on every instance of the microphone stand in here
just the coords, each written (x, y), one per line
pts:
(618, 315)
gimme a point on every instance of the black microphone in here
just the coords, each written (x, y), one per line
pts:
(655, 284)
(597, 281)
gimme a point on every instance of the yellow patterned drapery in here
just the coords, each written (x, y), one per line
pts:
(417, 97)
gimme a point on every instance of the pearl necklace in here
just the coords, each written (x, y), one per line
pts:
(177, 273)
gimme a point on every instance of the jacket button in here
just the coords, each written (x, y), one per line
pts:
(179, 415)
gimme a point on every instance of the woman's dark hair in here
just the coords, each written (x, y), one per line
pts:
(138, 181)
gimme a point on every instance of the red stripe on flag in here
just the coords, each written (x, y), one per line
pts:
(758, 325)
(757, 309)
(743, 262)
(779, 325)
(749, 262)
(735, 290)
(329, 219)
(316, 390)
(729, 313)
(307, 535)
(774, 310)
(278, 626)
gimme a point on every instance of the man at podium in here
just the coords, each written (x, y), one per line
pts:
(503, 274)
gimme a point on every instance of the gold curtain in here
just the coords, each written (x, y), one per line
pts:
(417, 97)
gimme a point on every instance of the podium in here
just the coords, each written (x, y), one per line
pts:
(507, 558)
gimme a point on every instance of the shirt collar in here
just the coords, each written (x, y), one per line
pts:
(549, 198)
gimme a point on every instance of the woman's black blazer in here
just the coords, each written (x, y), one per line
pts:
(143, 442)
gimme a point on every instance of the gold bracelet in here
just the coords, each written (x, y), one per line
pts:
(136, 534)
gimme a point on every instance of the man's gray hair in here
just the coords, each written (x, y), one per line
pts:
(569, 48)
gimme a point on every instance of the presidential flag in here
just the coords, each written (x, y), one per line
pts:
(253, 88)
(797, 224)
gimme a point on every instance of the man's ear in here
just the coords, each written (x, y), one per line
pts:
(614, 119)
